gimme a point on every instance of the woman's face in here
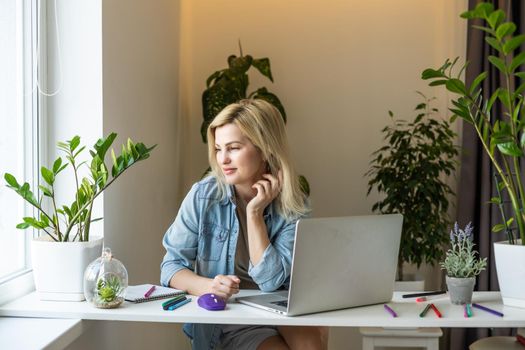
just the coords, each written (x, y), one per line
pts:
(240, 161)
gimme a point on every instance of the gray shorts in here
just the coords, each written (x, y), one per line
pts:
(244, 337)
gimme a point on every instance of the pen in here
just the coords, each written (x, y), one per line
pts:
(390, 311)
(173, 301)
(424, 312)
(148, 293)
(484, 308)
(422, 294)
(436, 311)
(176, 306)
(465, 312)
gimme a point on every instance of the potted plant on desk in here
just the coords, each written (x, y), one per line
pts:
(66, 247)
(499, 121)
(409, 171)
(461, 265)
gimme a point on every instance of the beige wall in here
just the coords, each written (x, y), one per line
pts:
(339, 66)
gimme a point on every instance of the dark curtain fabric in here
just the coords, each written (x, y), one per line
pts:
(476, 182)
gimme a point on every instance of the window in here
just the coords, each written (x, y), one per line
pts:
(18, 128)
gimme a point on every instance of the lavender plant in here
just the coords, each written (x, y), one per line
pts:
(461, 261)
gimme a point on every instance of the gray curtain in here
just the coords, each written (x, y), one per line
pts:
(476, 183)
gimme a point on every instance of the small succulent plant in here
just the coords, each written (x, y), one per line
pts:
(461, 261)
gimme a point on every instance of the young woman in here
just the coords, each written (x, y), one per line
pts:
(235, 229)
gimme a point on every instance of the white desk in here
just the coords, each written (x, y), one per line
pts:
(368, 316)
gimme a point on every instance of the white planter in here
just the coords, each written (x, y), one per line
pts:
(510, 267)
(58, 267)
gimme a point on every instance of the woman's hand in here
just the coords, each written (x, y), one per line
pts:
(225, 286)
(267, 190)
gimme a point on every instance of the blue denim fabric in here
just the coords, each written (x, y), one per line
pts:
(203, 239)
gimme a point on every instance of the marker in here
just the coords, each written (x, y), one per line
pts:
(173, 301)
(414, 295)
(421, 299)
(424, 312)
(469, 310)
(484, 308)
(465, 312)
(390, 311)
(148, 293)
(176, 306)
(436, 311)
(521, 339)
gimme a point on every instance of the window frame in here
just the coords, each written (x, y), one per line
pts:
(28, 22)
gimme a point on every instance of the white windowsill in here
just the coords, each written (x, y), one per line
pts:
(38, 333)
(45, 333)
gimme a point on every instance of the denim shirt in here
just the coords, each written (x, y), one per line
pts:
(203, 239)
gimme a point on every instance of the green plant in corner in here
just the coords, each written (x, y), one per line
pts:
(72, 222)
(408, 171)
(230, 85)
(502, 136)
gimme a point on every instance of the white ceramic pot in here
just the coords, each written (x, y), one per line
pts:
(510, 267)
(58, 267)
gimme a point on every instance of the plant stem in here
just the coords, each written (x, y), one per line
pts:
(57, 227)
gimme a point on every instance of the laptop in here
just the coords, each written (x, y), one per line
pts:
(338, 263)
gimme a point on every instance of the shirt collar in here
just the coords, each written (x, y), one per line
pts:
(269, 211)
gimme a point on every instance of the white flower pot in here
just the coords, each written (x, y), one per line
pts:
(58, 267)
(510, 267)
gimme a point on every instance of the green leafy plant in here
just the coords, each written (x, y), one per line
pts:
(230, 85)
(72, 223)
(461, 261)
(108, 288)
(502, 136)
(408, 170)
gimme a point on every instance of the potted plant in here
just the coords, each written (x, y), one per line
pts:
(502, 136)
(461, 265)
(409, 171)
(230, 85)
(65, 248)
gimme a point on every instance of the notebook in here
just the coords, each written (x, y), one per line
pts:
(348, 261)
(135, 294)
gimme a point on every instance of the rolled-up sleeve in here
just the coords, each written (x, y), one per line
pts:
(273, 269)
(181, 239)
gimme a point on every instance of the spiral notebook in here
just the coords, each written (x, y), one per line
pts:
(135, 294)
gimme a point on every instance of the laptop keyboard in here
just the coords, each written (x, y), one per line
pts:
(283, 303)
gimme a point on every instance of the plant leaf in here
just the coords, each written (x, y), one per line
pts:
(517, 61)
(11, 180)
(263, 66)
(477, 81)
(498, 63)
(510, 149)
(56, 165)
(513, 43)
(505, 29)
(47, 175)
(457, 86)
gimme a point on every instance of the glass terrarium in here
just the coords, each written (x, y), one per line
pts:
(105, 281)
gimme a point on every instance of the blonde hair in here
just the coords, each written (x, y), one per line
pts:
(263, 125)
